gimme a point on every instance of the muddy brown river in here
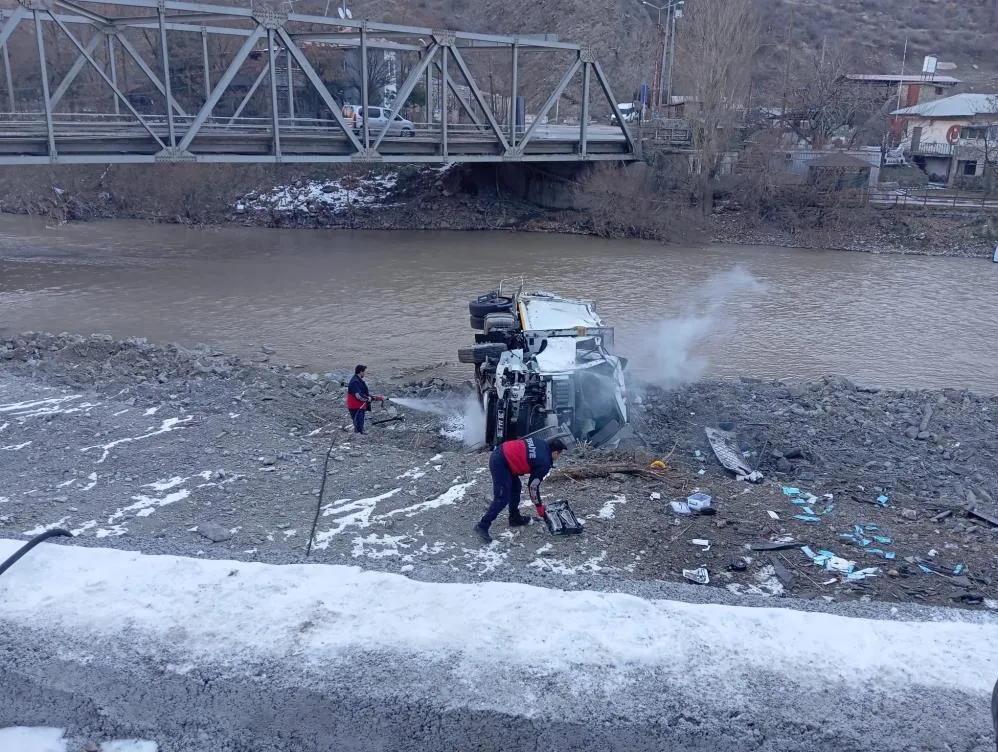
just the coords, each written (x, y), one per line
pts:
(398, 301)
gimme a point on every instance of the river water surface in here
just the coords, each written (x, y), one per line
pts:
(329, 299)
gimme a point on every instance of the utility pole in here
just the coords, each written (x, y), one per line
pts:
(660, 74)
(677, 9)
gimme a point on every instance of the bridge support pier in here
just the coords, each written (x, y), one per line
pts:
(552, 185)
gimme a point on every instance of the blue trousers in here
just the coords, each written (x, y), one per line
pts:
(357, 418)
(506, 489)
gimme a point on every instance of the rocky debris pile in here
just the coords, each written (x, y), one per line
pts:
(940, 448)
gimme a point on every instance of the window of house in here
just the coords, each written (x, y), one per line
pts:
(939, 91)
(970, 168)
(974, 134)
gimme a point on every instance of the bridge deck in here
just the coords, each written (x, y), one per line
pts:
(82, 141)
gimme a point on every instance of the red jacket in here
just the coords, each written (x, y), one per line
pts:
(357, 387)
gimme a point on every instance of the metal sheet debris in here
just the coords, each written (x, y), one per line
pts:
(728, 453)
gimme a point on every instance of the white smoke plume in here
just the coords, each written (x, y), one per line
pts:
(668, 356)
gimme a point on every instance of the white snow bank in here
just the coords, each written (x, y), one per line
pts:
(336, 195)
(48, 739)
(229, 612)
(32, 739)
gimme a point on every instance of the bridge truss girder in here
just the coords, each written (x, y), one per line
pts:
(443, 63)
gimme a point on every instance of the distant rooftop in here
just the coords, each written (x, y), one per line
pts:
(960, 105)
(907, 78)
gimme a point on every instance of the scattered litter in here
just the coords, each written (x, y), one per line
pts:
(925, 569)
(882, 500)
(862, 574)
(807, 517)
(654, 496)
(832, 563)
(698, 501)
(658, 465)
(699, 576)
(701, 471)
(772, 514)
(680, 507)
(933, 552)
(863, 537)
(789, 491)
(838, 564)
(701, 542)
(958, 569)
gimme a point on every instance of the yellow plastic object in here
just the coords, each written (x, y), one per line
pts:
(659, 465)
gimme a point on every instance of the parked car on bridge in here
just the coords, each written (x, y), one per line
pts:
(628, 111)
(378, 119)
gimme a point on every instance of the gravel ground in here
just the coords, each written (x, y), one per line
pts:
(164, 450)
(192, 452)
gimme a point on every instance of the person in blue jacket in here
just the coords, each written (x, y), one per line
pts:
(359, 398)
(510, 460)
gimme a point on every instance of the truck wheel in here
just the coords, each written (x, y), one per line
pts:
(478, 354)
(477, 323)
(490, 303)
(497, 321)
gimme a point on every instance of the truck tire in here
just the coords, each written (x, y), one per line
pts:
(477, 323)
(478, 354)
(497, 321)
(490, 303)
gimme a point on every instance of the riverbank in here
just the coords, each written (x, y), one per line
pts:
(197, 453)
(452, 198)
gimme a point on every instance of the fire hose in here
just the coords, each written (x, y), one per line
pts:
(53, 533)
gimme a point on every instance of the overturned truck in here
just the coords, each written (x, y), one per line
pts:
(544, 365)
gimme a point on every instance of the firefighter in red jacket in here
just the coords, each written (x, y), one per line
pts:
(359, 398)
(508, 462)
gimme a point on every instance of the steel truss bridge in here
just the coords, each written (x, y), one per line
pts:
(81, 105)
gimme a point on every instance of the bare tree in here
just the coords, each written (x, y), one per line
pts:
(719, 39)
(824, 100)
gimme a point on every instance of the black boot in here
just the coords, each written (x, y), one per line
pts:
(482, 531)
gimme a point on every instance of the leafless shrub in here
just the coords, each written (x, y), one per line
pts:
(623, 203)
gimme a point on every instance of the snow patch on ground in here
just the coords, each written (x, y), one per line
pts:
(559, 566)
(380, 546)
(41, 529)
(170, 424)
(607, 512)
(360, 513)
(331, 195)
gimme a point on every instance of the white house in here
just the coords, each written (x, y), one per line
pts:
(954, 136)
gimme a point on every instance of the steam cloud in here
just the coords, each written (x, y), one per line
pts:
(464, 422)
(667, 357)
